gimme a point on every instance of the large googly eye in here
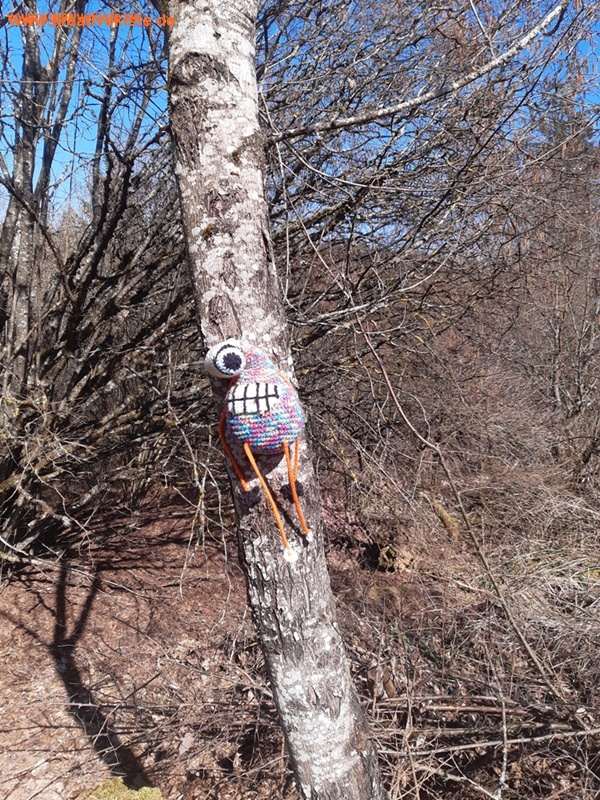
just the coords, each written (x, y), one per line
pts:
(225, 360)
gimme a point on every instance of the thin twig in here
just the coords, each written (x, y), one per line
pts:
(547, 737)
(435, 94)
(463, 512)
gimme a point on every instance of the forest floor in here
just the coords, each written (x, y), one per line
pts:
(136, 656)
(109, 662)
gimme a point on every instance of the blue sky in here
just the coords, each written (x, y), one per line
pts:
(78, 140)
(133, 48)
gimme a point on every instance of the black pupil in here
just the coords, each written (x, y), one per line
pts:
(232, 362)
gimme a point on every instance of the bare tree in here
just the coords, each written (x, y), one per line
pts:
(92, 275)
(219, 165)
(41, 104)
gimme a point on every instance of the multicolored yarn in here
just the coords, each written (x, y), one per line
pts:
(262, 407)
(261, 413)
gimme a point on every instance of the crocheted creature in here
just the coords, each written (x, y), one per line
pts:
(262, 413)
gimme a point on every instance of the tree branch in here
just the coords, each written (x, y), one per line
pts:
(408, 105)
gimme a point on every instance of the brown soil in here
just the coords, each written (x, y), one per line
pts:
(134, 655)
(133, 658)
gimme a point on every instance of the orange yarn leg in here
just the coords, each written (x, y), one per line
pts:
(292, 472)
(234, 463)
(296, 451)
(288, 550)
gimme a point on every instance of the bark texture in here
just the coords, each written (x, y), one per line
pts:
(219, 166)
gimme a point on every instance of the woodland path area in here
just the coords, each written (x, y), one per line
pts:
(104, 661)
(139, 658)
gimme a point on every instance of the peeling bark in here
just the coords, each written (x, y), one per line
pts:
(219, 152)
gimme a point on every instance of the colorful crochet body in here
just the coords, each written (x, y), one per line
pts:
(262, 413)
(261, 407)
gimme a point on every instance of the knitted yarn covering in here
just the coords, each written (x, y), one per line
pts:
(261, 408)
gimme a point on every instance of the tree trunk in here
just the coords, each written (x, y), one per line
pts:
(219, 167)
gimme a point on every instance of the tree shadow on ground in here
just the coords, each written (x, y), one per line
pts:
(82, 705)
(118, 757)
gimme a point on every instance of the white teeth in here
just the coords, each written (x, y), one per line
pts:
(252, 398)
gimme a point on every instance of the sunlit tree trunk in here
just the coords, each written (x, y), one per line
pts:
(219, 167)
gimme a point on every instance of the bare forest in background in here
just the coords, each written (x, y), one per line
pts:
(441, 270)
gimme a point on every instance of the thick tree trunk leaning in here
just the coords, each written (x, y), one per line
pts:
(219, 167)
